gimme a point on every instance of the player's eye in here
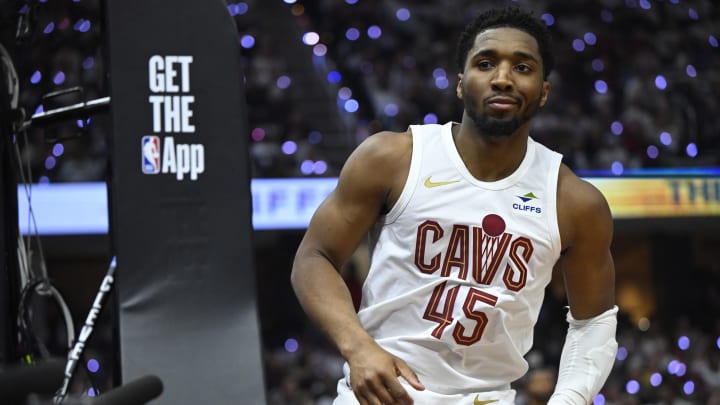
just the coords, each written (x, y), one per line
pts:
(484, 64)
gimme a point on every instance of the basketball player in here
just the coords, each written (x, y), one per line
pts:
(467, 221)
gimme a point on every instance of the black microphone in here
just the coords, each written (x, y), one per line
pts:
(136, 392)
(17, 382)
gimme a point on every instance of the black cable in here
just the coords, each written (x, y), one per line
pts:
(24, 322)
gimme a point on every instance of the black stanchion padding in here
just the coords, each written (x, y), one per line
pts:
(180, 200)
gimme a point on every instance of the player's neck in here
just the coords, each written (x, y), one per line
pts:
(490, 158)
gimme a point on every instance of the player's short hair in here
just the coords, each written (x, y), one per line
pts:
(512, 17)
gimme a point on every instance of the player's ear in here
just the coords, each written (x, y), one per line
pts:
(458, 89)
(545, 90)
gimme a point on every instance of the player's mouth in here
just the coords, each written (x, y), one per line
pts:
(502, 103)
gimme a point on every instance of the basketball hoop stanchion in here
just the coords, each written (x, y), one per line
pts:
(75, 353)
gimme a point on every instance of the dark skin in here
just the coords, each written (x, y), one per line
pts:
(502, 80)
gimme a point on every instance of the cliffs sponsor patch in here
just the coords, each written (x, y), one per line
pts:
(527, 204)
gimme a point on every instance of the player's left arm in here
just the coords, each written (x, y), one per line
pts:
(587, 267)
(586, 262)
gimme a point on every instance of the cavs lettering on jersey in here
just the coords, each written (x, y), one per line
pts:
(460, 266)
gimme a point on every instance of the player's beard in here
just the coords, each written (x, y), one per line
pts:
(496, 127)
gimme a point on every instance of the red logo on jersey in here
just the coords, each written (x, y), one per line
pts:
(470, 250)
(476, 250)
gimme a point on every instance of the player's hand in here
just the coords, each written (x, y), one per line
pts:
(374, 377)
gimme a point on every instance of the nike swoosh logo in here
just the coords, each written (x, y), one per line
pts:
(430, 184)
(483, 402)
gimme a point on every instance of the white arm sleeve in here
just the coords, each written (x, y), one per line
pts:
(587, 358)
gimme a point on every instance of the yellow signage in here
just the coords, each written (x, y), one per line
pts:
(660, 197)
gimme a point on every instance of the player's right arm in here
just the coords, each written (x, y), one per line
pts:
(369, 183)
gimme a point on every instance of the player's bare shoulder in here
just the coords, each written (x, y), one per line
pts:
(386, 149)
(379, 165)
(581, 207)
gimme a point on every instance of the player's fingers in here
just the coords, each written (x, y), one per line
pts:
(398, 392)
(368, 398)
(366, 391)
(404, 371)
(379, 389)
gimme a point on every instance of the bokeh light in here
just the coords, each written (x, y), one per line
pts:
(683, 343)
(59, 78)
(601, 87)
(50, 162)
(283, 82)
(247, 41)
(88, 63)
(36, 77)
(257, 134)
(93, 365)
(344, 93)
(430, 119)
(334, 76)
(632, 387)
(291, 345)
(590, 38)
(352, 105)
(306, 167)
(660, 82)
(82, 25)
(320, 167)
(58, 149)
(352, 34)
(617, 168)
(578, 45)
(289, 147)
(653, 152)
(402, 14)
(238, 8)
(320, 50)
(621, 354)
(548, 18)
(665, 138)
(656, 379)
(374, 32)
(310, 38)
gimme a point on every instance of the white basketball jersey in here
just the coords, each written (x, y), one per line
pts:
(459, 266)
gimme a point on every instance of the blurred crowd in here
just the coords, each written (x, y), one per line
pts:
(636, 86)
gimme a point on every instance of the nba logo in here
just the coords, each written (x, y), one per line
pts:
(150, 154)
